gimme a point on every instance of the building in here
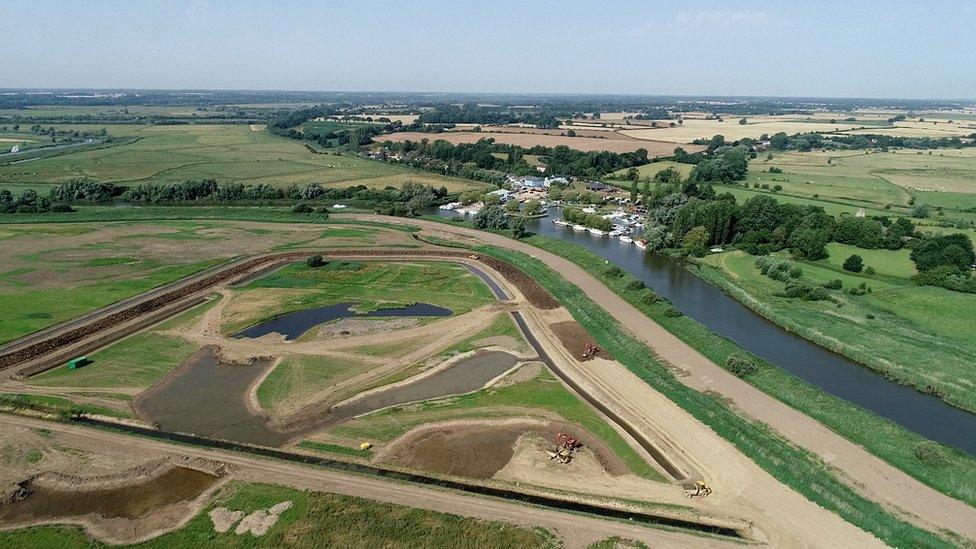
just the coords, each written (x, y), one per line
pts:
(533, 182)
(596, 186)
(502, 194)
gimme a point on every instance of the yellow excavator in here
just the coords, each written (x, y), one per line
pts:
(699, 489)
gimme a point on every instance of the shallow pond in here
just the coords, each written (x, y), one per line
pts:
(293, 325)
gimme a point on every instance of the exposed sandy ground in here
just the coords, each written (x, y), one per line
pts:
(481, 448)
(66, 468)
(725, 467)
(575, 530)
(620, 145)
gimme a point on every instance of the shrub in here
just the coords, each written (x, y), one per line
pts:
(740, 365)
(672, 312)
(613, 271)
(854, 263)
(869, 270)
(834, 284)
(805, 292)
(315, 261)
(931, 454)
(650, 298)
(302, 208)
(869, 316)
(62, 208)
(635, 285)
(860, 290)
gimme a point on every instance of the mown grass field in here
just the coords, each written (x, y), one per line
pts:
(316, 519)
(899, 329)
(227, 153)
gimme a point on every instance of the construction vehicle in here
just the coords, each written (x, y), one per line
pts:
(698, 489)
(566, 445)
(591, 350)
(473, 256)
(365, 446)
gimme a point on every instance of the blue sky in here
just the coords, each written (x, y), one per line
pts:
(838, 49)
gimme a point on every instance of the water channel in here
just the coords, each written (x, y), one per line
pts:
(924, 414)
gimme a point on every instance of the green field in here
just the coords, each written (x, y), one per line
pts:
(945, 178)
(299, 376)
(227, 153)
(650, 170)
(899, 329)
(316, 520)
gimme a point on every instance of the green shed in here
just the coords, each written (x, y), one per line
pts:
(76, 363)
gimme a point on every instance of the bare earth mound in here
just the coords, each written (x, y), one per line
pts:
(575, 339)
(479, 449)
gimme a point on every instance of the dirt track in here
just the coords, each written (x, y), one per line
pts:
(874, 478)
(576, 530)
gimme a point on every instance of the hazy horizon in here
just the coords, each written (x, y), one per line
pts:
(877, 50)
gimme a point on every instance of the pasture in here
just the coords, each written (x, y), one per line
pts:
(227, 153)
(652, 169)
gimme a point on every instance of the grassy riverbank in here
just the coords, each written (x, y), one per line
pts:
(919, 336)
(796, 468)
(948, 470)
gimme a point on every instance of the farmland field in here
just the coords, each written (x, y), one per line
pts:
(651, 169)
(227, 153)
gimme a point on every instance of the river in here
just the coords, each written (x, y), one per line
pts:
(924, 414)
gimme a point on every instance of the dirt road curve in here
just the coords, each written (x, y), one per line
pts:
(576, 530)
(875, 478)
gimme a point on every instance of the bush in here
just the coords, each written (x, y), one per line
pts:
(302, 208)
(62, 208)
(869, 270)
(931, 454)
(672, 312)
(636, 285)
(854, 264)
(315, 261)
(650, 298)
(869, 316)
(613, 271)
(834, 284)
(860, 290)
(740, 365)
(805, 292)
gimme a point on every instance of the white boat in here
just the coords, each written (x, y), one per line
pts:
(579, 228)
(625, 238)
(560, 223)
(451, 206)
(338, 206)
(597, 232)
(640, 244)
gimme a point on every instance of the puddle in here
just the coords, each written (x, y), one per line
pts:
(131, 501)
(293, 325)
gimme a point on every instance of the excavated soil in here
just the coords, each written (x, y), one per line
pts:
(576, 340)
(479, 449)
(127, 507)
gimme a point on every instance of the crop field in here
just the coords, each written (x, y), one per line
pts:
(227, 153)
(611, 143)
(899, 328)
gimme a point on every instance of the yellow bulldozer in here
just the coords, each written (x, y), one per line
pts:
(699, 489)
